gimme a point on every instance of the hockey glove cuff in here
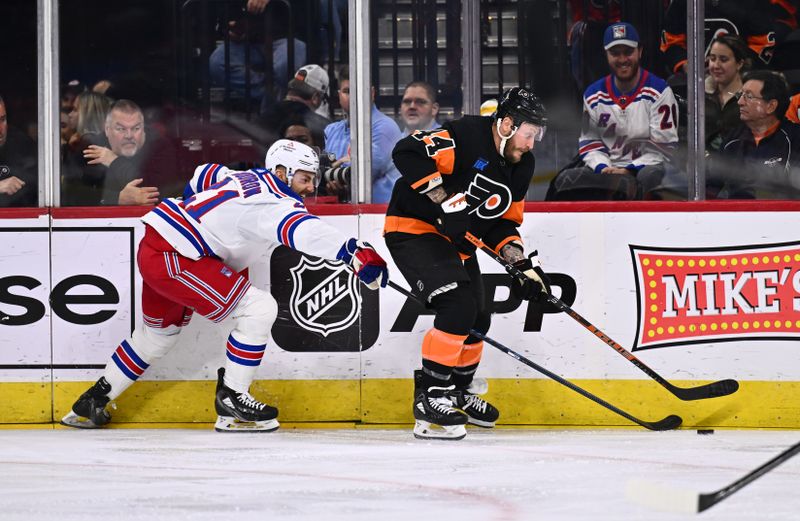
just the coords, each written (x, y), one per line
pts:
(369, 266)
(536, 285)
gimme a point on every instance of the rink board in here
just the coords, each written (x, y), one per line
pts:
(698, 296)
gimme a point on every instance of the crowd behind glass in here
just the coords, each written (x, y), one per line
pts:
(142, 102)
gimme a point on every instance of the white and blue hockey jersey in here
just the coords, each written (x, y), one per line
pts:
(628, 130)
(235, 216)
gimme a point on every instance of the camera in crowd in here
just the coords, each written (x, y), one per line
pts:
(340, 174)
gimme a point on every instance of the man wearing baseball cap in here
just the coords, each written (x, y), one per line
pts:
(307, 95)
(630, 121)
(310, 84)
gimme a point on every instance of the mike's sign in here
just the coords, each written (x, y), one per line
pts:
(697, 295)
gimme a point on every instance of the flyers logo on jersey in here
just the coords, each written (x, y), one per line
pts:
(488, 199)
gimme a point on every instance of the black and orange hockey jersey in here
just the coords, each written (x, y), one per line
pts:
(460, 157)
(761, 23)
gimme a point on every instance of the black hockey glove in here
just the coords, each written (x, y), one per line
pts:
(536, 285)
(453, 222)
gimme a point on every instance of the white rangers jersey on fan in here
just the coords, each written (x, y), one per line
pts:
(617, 127)
(235, 216)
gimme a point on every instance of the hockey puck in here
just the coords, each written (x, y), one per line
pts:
(705, 431)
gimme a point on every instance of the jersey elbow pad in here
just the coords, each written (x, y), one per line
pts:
(428, 183)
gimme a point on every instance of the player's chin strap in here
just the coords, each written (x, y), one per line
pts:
(504, 139)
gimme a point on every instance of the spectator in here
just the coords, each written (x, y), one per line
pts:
(126, 136)
(728, 59)
(82, 183)
(418, 108)
(629, 118)
(385, 133)
(585, 36)
(336, 15)
(69, 93)
(296, 130)
(246, 35)
(761, 23)
(18, 165)
(759, 159)
(67, 130)
(307, 93)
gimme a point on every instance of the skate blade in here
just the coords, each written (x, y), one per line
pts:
(230, 424)
(78, 422)
(480, 423)
(430, 431)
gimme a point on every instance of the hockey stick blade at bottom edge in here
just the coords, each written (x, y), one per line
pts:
(673, 421)
(663, 497)
(702, 392)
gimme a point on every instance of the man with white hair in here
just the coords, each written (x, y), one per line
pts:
(192, 259)
(126, 134)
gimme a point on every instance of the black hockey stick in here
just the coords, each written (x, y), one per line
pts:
(670, 422)
(710, 390)
(685, 501)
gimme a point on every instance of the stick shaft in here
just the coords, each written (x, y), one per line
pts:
(708, 500)
(670, 422)
(700, 392)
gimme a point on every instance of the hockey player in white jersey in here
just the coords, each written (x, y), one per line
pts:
(630, 117)
(191, 259)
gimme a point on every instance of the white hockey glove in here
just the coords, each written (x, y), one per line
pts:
(454, 222)
(536, 286)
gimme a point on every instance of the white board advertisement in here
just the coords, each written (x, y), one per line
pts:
(25, 289)
(703, 296)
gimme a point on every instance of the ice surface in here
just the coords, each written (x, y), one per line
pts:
(360, 474)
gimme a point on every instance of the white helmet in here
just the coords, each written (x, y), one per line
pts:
(293, 156)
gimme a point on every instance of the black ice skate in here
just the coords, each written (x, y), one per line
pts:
(433, 410)
(89, 412)
(479, 411)
(241, 412)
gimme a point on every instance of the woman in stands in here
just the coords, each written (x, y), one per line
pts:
(727, 60)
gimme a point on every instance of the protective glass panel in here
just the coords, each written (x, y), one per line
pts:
(152, 89)
(18, 108)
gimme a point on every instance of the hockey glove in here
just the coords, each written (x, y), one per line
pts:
(369, 266)
(453, 222)
(536, 285)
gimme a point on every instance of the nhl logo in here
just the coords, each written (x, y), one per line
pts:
(325, 296)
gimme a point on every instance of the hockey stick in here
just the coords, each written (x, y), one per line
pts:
(701, 392)
(670, 422)
(666, 498)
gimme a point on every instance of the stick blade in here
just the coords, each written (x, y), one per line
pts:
(712, 390)
(663, 497)
(724, 387)
(673, 421)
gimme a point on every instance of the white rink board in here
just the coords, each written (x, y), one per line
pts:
(25, 254)
(590, 248)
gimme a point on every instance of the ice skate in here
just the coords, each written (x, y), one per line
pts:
(436, 419)
(240, 412)
(89, 411)
(479, 412)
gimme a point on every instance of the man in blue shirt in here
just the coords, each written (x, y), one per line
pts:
(385, 134)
